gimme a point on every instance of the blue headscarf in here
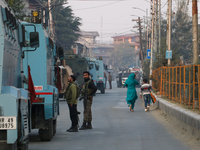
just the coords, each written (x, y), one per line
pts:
(131, 79)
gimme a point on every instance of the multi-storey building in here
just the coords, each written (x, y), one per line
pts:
(131, 39)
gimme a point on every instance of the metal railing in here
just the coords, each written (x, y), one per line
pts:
(180, 84)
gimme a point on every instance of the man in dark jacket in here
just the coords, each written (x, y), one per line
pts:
(89, 89)
(71, 96)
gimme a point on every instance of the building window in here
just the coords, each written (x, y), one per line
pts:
(126, 40)
(133, 39)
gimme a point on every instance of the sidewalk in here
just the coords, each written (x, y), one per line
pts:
(189, 120)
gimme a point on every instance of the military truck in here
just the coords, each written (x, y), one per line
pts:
(78, 64)
(15, 103)
(100, 79)
(40, 56)
(92, 69)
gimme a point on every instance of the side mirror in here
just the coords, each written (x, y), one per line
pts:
(34, 39)
(90, 66)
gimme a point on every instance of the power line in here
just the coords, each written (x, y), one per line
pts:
(107, 23)
(164, 5)
(98, 6)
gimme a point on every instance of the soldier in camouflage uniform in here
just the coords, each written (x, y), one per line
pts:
(89, 89)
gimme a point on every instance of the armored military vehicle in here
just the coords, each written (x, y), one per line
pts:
(15, 103)
(78, 64)
(92, 69)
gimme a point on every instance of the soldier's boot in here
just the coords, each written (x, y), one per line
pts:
(69, 128)
(73, 129)
(89, 125)
(83, 127)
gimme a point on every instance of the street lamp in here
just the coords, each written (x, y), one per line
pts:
(135, 15)
(139, 9)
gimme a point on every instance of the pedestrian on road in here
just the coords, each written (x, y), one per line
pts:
(105, 76)
(146, 93)
(110, 80)
(71, 97)
(131, 97)
(88, 91)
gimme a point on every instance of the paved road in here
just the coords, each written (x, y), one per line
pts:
(114, 128)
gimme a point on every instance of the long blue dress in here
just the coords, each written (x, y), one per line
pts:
(131, 91)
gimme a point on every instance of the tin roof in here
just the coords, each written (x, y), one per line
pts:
(125, 36)
(89, 33)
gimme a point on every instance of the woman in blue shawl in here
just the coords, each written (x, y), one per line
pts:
(131, 91)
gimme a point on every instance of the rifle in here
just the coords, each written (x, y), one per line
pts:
(85, 94)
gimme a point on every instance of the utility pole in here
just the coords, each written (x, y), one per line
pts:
(155, 28)
(147, 39)
(169, 27)
(152, 44)
(159, 27)
(195, 31)
(101, 30)
(140, 31)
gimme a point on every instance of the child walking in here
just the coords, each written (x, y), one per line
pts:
(146, 93)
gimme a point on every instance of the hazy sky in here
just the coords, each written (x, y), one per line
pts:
(111, 18)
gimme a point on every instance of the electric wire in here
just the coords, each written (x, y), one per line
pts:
(98, 6)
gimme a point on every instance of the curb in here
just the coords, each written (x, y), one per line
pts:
(185, 118)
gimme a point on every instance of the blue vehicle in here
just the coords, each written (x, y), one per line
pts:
(100, 80)
(15, 103)
(96, 69)
(39, 52)
(92, 69)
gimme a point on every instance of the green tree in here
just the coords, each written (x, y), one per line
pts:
(181, 39)
(181, 42)
(17, 6)
(66, 26)
(123, 57)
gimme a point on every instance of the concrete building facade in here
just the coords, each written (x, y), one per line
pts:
(132, 39)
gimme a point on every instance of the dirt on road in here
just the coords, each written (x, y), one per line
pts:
(176, 130)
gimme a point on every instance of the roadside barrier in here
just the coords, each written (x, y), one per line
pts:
(180, 84)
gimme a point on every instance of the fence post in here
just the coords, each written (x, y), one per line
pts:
(180, 85)
(161, 81)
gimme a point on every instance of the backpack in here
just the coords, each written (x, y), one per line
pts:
(78, 90)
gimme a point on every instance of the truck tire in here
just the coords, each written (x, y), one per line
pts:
(102, 90)
(23, 146)
(46, 134)
(54, 126)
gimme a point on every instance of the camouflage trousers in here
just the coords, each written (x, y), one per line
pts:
(87, 110)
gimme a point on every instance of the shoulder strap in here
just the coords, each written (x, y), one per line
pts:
(87, 84)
